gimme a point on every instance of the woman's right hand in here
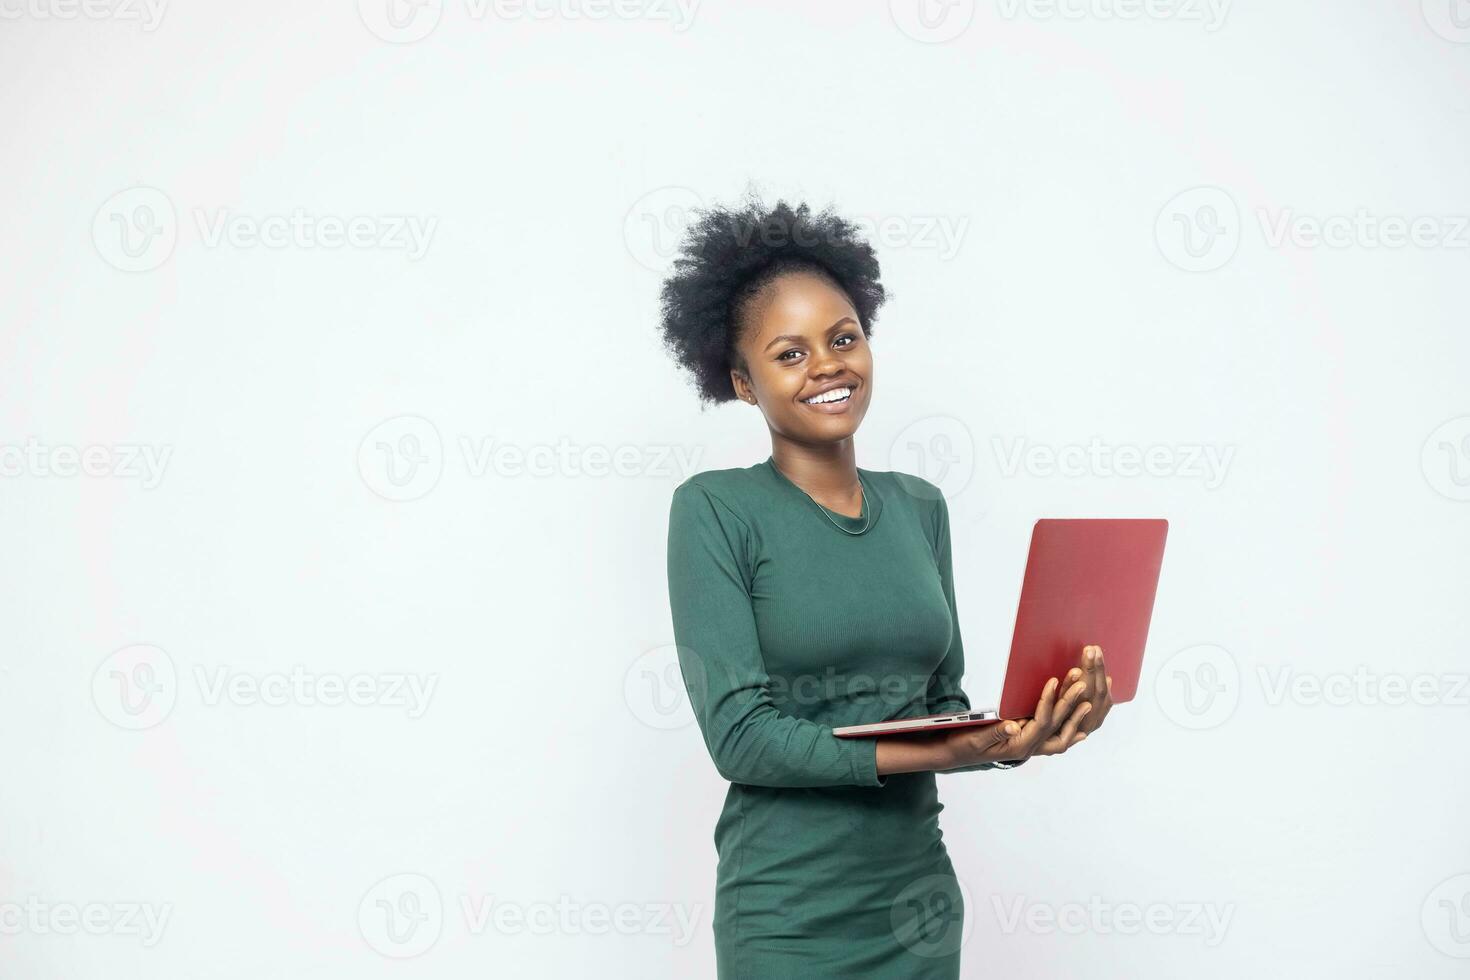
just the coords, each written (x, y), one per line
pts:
(1052, 730)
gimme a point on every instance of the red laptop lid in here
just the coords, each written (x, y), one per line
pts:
(1087, 581)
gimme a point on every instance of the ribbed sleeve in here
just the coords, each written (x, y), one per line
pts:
(748, 738)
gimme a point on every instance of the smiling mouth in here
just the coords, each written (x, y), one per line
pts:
(830, 397)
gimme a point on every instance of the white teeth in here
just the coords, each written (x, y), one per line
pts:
(835, 395)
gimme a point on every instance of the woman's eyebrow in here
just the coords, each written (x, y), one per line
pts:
(792, 336)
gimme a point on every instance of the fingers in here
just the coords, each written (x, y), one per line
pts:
(1063, 721)
(1045, 706)
(1068, 702)
(1096, 684)
(1070, 734)
(1062, 713)
(994, 743)
(1004, 732)
(1051, 714)
(1069, 730)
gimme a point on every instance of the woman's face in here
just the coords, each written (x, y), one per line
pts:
(802, 339)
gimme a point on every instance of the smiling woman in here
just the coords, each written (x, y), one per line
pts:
(808, 594)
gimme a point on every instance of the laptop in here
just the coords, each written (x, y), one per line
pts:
(1086, 581)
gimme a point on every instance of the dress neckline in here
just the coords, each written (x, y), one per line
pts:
(862, 524)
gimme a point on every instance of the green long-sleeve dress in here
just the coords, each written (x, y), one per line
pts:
(792, 619)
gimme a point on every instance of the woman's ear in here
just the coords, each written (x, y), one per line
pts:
(740, 381)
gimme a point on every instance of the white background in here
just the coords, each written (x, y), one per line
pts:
(326, 503)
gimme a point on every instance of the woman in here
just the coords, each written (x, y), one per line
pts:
(808, 594)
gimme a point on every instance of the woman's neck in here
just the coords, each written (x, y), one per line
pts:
(828, 473)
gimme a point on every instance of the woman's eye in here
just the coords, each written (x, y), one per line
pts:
(841, 343)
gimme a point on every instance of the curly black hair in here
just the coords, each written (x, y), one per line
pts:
(729, 255)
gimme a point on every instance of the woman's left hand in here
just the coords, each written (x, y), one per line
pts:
(1099, 689)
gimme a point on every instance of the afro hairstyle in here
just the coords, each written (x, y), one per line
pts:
(728, 256)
